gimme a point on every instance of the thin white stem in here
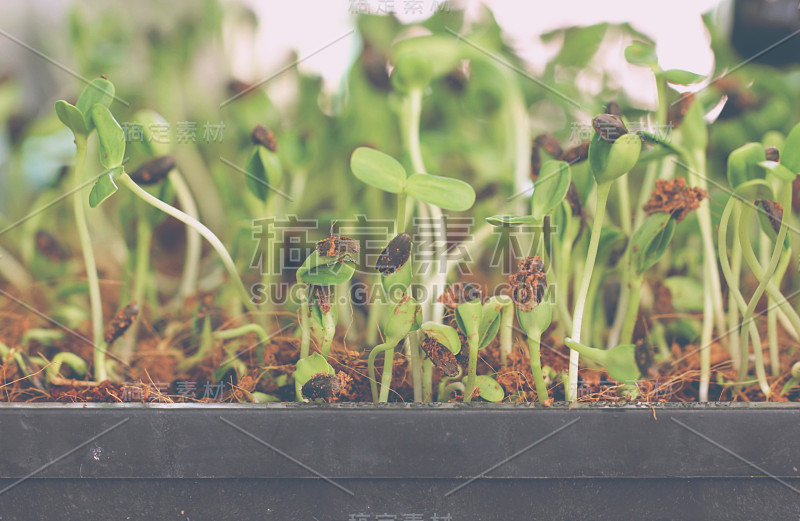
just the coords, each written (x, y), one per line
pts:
(580, 301)
(191, 267)
(227, 261)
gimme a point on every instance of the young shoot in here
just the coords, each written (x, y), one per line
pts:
(612, 153)
(534, 312)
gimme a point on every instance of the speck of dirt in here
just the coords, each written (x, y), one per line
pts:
(672, 196)
(528, 284)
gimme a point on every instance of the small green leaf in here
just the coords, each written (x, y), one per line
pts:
(99, 91)
(111, 135)
(443, 52)
(404, 319)
(264, 172)
(537, 320)
(681, 77)
(71, 116)
(640, 53)
(445, 335)
(619, 361)
(490, 323)
(609, 161)
(444, 192)
(651, 240)
(468, 317)
(507, 221)
(104, 187)
(309, 366)
(489, 389)
(790, 152)
(378, 169)
(324, 271)
(551, 188)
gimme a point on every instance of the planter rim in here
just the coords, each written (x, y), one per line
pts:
(558, 406)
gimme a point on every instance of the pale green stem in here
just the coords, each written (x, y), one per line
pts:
(534, 346)
(374, 314)
(427, 381)
(388, 349)
(437, 281)
(80, 204)
(144, 233)
(305, 338)
(711, 280)
(227, 261)
(733, 206)
(191, 266)
(14, 272)
(263, 337)
(506, 332)
(772, 317)
(328, 332)
(635, 281)
(733, 310)
(580, 302)
(747, 249)
(412, 347)
(473, 341)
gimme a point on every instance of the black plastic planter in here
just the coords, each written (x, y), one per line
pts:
(399, 462)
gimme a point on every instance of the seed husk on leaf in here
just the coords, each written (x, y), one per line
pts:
(395, 255)
(262, 136)
(441, 357)
(772, 153)
(609, 127)
(528, 284)
(153, 171)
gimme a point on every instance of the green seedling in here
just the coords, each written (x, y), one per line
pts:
(612, 153)
(441, 343)
(79, 119)
(404, 319)
(534, 313)
(479, 323)
(316, 378)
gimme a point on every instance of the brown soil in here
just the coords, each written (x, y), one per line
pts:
(672, 196)
(154, 374)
